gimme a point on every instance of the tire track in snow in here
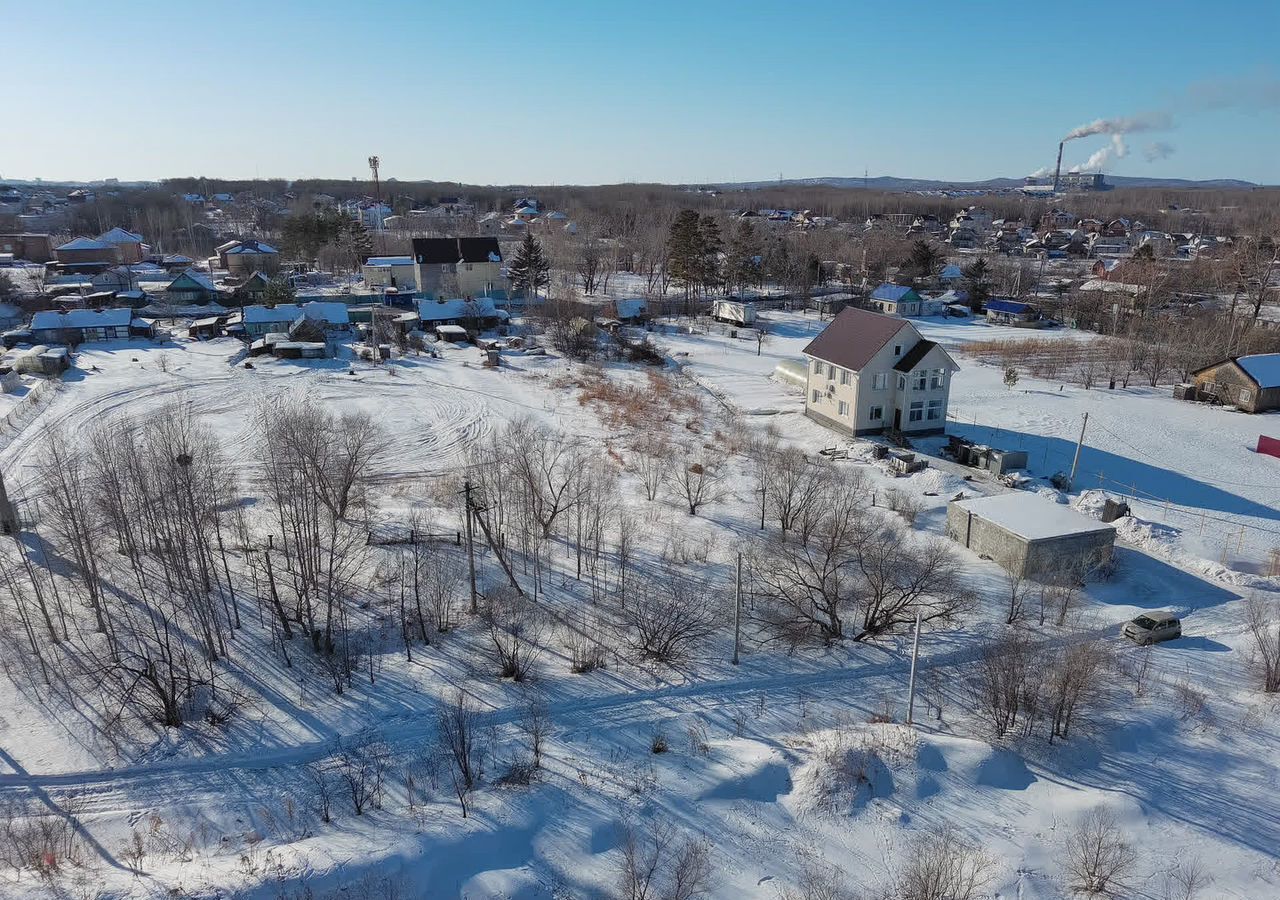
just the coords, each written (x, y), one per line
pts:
(188, 781)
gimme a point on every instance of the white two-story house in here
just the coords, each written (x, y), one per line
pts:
(869, 373)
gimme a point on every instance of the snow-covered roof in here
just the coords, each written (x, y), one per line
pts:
(81, 318)
(84, 243)
(120, 236)
(200, 279)
(892, 292)
(1263, 368)
(333, 312)
(1031, 517)
(440, 310)
(251, 247)
(450, 329)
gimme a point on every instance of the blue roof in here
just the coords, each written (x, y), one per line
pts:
(892, 292)
(952, 271)
(1005, 305)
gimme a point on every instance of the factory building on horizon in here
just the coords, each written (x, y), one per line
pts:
(1068, 182)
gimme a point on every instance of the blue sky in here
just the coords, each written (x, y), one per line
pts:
(556, 92)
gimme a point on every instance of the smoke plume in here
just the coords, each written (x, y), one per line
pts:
(1157, 120)
(1158, 150)
(1117, 149)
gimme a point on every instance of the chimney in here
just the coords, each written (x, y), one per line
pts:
(1057, 171)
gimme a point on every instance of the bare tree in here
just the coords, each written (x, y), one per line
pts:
(942, 865)
(515, 627)
(669, 620)
(1017, 593)
(653, 459)
(1097, 858)
(658, 864)
(537, 725)
(696, 479)
(1187, 879)
(458, 727)
(1262, 617)
(1003, 685)
(1074, 680)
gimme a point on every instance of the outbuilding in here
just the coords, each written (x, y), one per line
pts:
(1250, 383)
(1029, 536)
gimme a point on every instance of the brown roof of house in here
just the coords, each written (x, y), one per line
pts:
(455, 250)
(914, 355)
(853, 337)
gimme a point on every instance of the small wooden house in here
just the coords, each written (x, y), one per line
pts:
(191, 288)
(1250, 383)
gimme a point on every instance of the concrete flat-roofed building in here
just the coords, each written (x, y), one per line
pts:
(399, 272)
(1029, 536)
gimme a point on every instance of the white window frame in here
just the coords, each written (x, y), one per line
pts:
(937, 379)
(915, 412)
(817, 367)
(897, 350)
(881, 381)
(817, 395)
(902, 382)
(831, 372)
(844, 376)
(842, 408)
(876, 413)
(920, 380)
(933, 411)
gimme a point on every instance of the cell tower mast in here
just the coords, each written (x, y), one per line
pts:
(374, 162)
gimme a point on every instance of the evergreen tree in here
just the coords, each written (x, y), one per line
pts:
(742, 259)
(709, 249)
(278, 290)
(977, 283)
(684, 251)
(531, 269)
(776, 261)
(923, 259)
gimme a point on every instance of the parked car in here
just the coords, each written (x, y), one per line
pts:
(1153, 627)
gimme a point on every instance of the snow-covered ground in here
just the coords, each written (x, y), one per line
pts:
(751, 746)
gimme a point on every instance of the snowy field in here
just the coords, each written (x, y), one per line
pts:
(1185, 756)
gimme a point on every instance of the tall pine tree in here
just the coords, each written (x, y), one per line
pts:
(976, 283)
(742, 259)
(530, 270)
(709, 248)
(684, 251)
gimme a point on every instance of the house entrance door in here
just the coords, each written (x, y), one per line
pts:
(897, 419)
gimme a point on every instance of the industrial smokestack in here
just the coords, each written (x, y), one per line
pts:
(1057, 172)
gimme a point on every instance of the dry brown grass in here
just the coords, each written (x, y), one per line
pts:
(657, 401)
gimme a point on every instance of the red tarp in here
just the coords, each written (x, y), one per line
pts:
(1268, 445)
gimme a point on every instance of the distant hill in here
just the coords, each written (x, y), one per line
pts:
(891, 183)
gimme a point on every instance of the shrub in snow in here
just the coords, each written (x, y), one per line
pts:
(941, 865)
(847, 767)
(658, 743)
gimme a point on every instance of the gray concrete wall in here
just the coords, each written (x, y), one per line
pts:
(1028, 559)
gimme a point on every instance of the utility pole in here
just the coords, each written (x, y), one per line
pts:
(911, 685)
(737, 610)
(471, 552)
(1075, 462)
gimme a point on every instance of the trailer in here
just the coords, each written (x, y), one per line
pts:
(734, 312)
